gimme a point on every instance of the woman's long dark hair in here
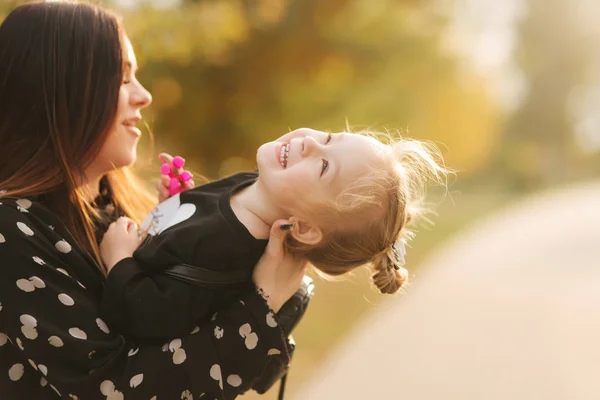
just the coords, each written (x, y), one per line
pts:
(61, 68)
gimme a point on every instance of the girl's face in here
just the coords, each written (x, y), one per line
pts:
(119, 149)
(314, 168)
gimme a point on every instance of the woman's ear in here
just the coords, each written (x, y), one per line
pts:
(305, 232)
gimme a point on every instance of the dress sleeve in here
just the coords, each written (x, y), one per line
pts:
(149, 305)
(55, 324)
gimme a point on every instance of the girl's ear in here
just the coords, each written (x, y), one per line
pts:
(305, 232)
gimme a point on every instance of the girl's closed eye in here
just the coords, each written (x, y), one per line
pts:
(325, 164)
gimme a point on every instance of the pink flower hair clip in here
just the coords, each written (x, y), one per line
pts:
(173, 168)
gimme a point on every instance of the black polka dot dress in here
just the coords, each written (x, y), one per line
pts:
(53, 343)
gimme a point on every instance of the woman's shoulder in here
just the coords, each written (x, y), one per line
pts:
(12, 208)
(27, 216)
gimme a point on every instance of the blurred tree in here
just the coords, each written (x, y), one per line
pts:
(539, 145)
(228, 75)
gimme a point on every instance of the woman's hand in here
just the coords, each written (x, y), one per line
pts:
(162, 184)
(278, 273)
(119, 242)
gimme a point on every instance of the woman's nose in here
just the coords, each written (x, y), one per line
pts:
(141, 97)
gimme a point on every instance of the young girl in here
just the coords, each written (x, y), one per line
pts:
(348, 198)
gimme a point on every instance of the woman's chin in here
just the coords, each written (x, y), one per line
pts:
(127, 160)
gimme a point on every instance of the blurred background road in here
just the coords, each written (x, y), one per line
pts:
(508, 310)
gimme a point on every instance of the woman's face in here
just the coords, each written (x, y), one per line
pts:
(119, 149)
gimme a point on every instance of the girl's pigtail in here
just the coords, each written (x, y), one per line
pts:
(389, 275)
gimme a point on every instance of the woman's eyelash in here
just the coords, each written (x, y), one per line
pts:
(329, 137)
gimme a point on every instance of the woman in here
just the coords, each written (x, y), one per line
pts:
(69, 106)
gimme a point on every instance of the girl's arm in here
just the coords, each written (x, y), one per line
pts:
(53, 323)
(150, 306)
(142, 304)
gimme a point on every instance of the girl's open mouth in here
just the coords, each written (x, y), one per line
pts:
(283, 155)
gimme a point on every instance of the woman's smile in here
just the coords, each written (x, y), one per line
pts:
(131, 125)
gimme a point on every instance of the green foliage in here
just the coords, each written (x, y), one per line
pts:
(227, 76)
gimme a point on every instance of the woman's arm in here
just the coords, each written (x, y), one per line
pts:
(150, 305)
(55, 323)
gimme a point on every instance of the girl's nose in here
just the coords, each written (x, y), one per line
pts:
(309, 146)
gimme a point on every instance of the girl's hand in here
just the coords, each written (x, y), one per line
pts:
(163, 184)
(119, 242)
(279, 274)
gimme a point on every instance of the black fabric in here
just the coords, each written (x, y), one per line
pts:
(53, 339)
(144, 302)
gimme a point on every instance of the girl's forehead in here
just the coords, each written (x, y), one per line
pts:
(369, 143)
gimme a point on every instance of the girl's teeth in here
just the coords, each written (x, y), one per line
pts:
(284, 155)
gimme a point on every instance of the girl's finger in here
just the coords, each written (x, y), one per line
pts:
(162, 188)
(125, 222)
(132, 226)
(160, 183)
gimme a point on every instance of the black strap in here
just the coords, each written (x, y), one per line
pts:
(203, 277)
(282, 387)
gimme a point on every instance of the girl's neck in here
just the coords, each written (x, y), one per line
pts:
(254, 210)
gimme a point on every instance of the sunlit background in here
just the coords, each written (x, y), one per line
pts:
(508, 89)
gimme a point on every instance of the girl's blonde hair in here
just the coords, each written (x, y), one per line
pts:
(379, 206)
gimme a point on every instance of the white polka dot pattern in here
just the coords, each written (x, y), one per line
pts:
(271, 320)
(25, 229)
(102, 325)
(43, 369)
(16, 372)
(66, 299)
(251, 337)
(30, 284)
(55, 341)
(48, 318)
(234, 380)
(28, 328)
(136, 380)
(63, 246)
(38, 260)
(77, 333)
(215, 373)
